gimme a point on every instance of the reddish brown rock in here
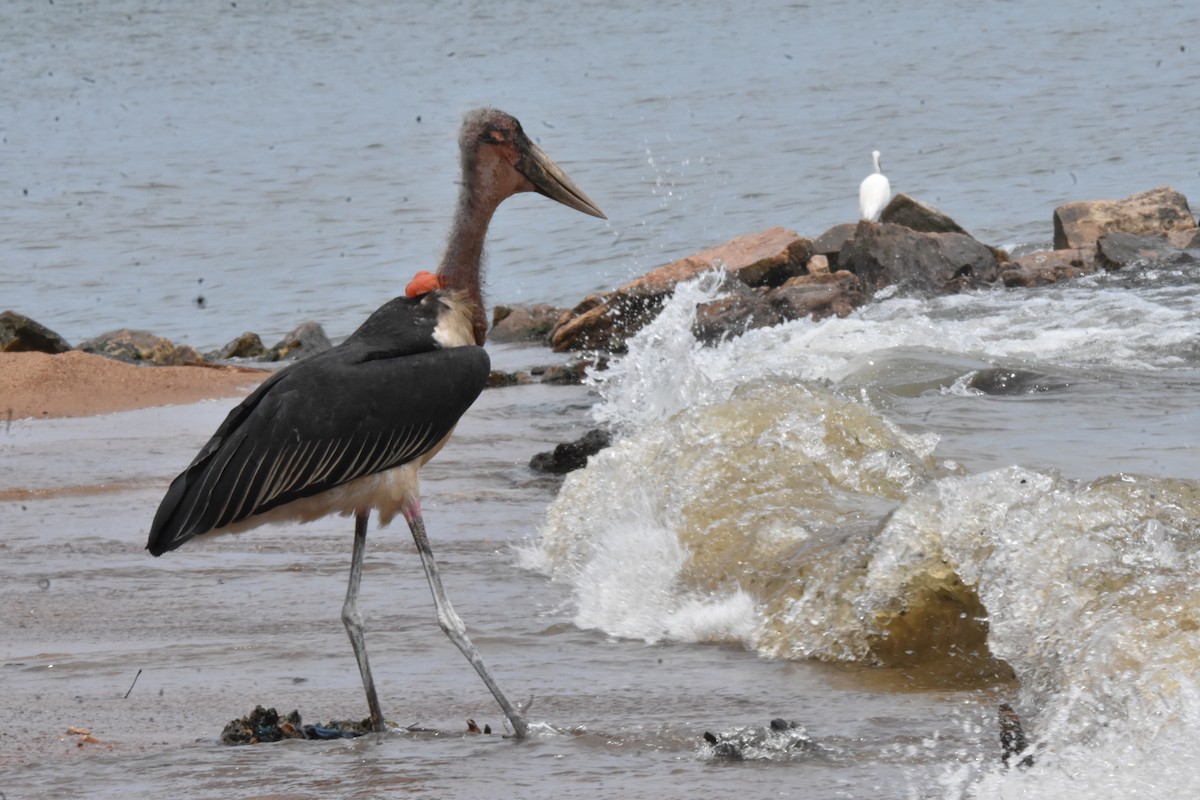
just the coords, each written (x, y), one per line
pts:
(747, 308)
(884, 254)
(1160, 210)
(605, 322)
(758, 259)
(1042, 268)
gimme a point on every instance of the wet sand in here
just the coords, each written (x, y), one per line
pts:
(76, 384)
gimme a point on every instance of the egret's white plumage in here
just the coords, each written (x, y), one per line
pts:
(874, 192)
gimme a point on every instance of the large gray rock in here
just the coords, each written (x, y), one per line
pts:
(1117, 249)
(1160, 210)
(20, 334)
(918, 216)
(885, 254)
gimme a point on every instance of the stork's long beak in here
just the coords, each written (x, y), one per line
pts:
(549, 179)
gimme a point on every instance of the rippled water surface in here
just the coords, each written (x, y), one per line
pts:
(826, 522)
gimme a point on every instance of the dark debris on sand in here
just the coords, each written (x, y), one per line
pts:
(265, 725)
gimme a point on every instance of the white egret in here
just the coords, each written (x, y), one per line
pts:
(874, 192)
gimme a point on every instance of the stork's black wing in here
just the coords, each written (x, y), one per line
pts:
(352, 411)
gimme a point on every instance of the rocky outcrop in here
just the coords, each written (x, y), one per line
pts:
(918, 216)
(1042, 268)
(885, 254)
(1081, 224)
(745, 308)
(306, 340)
(605, 322)
(571, 456)
(523, 323)
(141, 347)
(1117, 249)
(20, 334)
(248, 345)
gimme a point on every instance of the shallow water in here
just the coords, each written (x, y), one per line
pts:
(239, 620)
(780, 514)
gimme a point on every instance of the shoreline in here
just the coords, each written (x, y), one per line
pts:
(77, 384)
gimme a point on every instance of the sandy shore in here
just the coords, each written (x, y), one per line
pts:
(76, 384)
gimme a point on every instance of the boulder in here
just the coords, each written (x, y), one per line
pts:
(767, 258)
(20, 334)
(523, 323)
(885, 254)
(248, 345)
(1160, 210)
(830, 243)
(1185, 240)
(1042, 268)
(746, 308)
(605, 322)
(306, 340)
(141, 347)
(1117, 249)
(918, 216)
(571, 456)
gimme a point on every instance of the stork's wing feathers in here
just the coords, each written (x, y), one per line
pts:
(325, 421)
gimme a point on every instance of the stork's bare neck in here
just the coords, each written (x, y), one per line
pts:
(498, 161)
(461, 269)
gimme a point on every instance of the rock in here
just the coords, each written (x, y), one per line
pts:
(572, 455)
(767, 258)
(523, 323)
(1117, 249)
(605, 322)
(248, 345)
(830, 243)
(1185, 240)
(306, 340)
(779, 741)
(498, 379)
(1042, 268)
(1012, 739)
(571, 374)
(141, 347)
(20, 334)
(818, 265)
(1002, 382)
(745, 308)
(886, 254)
(918, 216)
(1160, 210)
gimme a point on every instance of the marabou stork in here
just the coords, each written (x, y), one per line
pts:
(346, 431)
(874, 192)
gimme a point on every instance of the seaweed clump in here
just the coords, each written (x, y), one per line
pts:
(265, 725)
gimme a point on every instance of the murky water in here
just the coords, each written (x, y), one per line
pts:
(779, 513)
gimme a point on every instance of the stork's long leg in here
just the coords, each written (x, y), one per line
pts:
(453, 625)
(353, 620)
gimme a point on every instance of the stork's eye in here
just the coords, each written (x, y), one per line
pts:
(494, 136)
